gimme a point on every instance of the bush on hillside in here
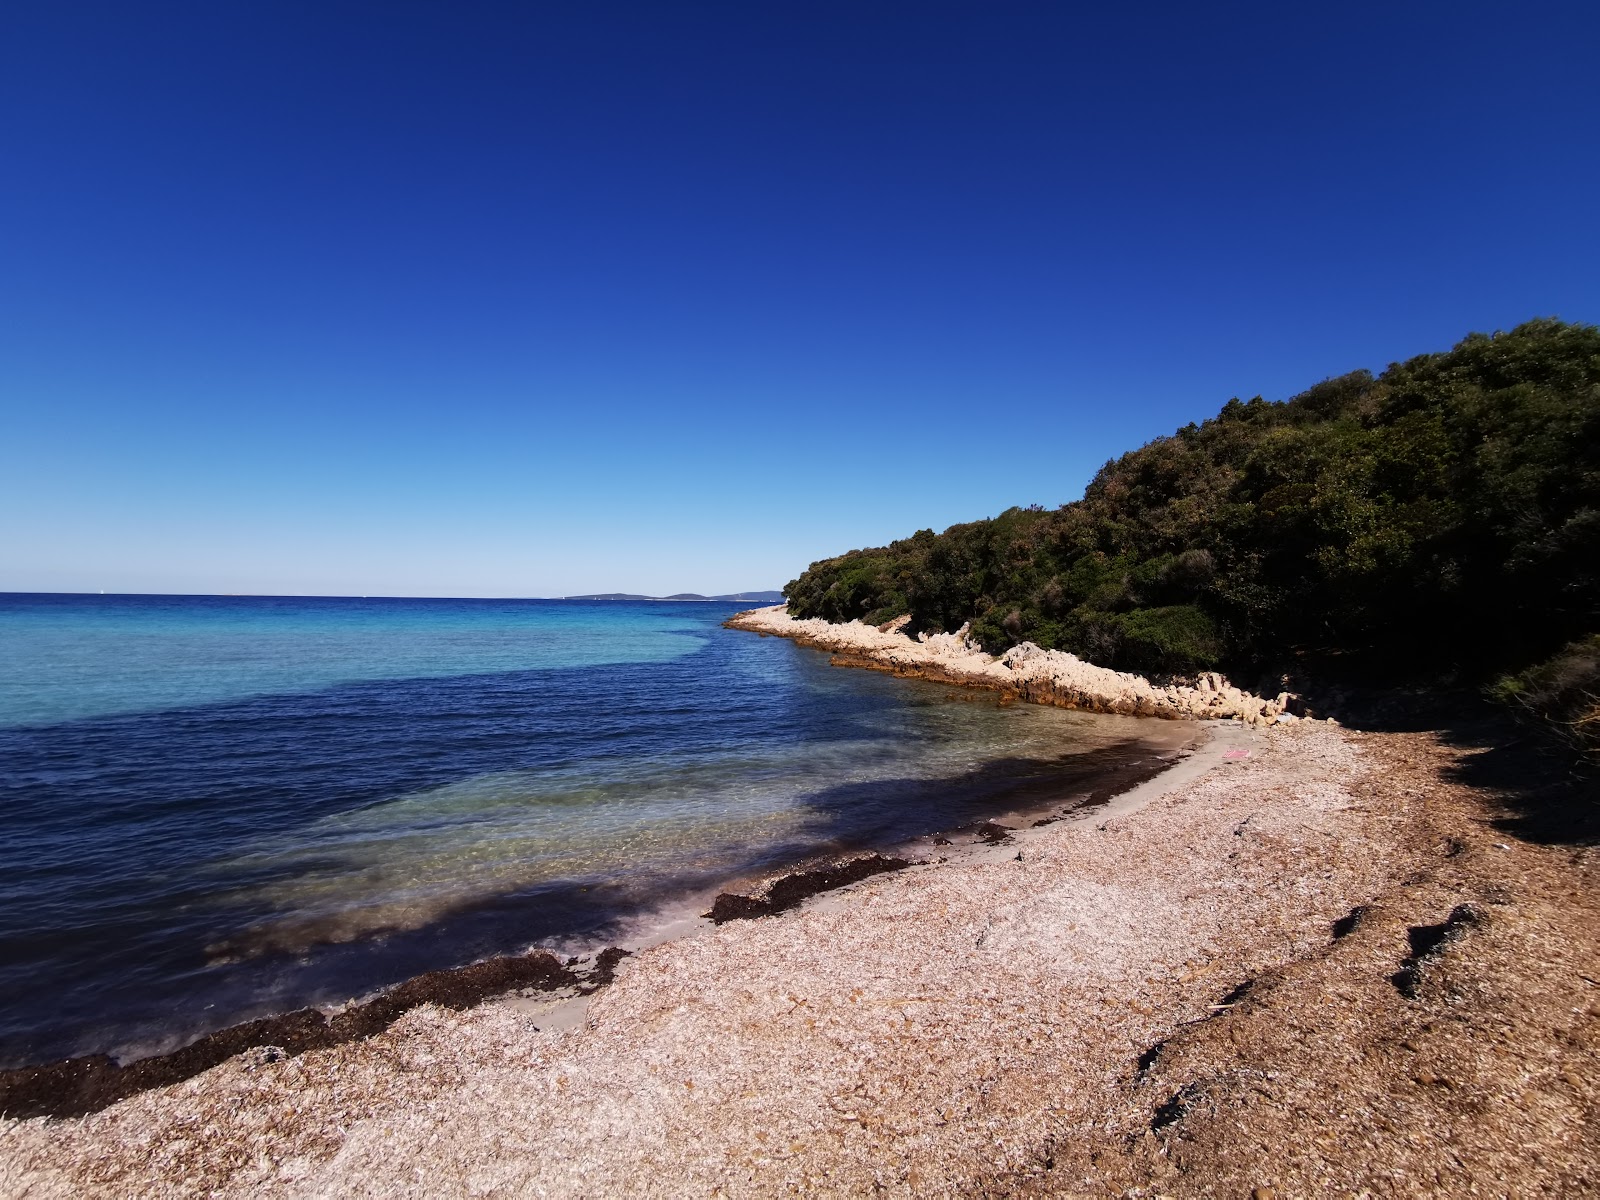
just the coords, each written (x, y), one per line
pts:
(1563, 694)
(1176, 640)
(1388, 520)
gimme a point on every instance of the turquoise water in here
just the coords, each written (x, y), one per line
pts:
(219, 808)
(90, 656)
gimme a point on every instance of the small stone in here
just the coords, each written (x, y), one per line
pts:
(1263, 1193)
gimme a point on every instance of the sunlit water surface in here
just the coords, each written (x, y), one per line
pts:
(221, 807)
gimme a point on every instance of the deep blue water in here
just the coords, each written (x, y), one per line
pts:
(219, 807)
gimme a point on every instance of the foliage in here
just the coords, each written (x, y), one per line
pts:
(1563, 694)
(1442, 516)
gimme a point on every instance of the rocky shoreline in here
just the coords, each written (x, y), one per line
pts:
(1026, 671)
(1301, 961)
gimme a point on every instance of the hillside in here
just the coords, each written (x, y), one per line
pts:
(1439, 520)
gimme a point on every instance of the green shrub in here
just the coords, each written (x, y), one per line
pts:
(1389, 521)
(1563, 694)
(1176, 640)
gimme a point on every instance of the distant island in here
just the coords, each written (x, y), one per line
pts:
(770, 597)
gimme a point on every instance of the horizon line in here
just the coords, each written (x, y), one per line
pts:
(681, 597)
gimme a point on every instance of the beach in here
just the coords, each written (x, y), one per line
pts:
(1303, 960)
(226, 810)
(759, 600)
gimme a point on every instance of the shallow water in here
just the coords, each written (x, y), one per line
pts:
(221, 807)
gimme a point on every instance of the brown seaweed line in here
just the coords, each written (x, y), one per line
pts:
(75, 1086)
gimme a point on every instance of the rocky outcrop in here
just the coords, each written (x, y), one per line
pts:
(1027, 671)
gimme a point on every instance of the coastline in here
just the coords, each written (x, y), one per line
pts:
(1193, 987)
(562, 972)
(1025, 671)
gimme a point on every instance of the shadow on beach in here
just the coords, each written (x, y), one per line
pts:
(1544, 795)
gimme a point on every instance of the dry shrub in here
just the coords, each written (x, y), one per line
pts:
(1562, 693)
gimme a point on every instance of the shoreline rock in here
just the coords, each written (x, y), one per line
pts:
(1033, 674)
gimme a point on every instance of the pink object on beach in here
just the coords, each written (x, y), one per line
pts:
(1236, 754)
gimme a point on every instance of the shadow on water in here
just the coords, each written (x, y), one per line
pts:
(895, 808)
(109, 897)
(871, 815)
(106, 903)
(844, 819)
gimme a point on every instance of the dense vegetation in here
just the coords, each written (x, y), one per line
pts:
(1562, 695)
(1442, 517)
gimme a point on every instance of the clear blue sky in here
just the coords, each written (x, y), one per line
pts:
(529, 299)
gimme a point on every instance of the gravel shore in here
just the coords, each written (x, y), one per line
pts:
(1303, 962)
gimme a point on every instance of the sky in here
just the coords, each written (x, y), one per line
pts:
(520, 299)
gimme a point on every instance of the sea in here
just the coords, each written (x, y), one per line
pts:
(218, 808)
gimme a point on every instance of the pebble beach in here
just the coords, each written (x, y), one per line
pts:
(1211, 985)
